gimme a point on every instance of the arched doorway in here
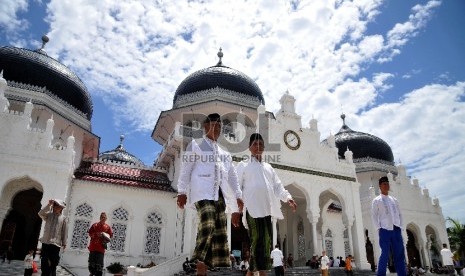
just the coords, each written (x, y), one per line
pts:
(413, 254)
(21, 226)
(370, 252)
(333, 227)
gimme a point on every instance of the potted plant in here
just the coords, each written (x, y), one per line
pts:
(116, 268)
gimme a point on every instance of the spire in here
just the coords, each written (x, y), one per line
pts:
(45, 39)
(220, 56)
(121, 139)
(344, 127)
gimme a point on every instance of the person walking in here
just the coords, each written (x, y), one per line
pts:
(100, 234)
(447, 258)
(387, 219)
(54, 237)
(278, 261)
(324, 264)
(208, 180)
(262, 191)
(348, 267)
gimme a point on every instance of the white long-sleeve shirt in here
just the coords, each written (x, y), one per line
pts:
(324, 262)
(262, 189)
(205, 167)
(385, 212)
(56, 227)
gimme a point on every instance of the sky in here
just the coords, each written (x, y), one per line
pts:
(395, 68)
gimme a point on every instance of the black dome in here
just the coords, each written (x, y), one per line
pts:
(219, 76)
(362, 145)
(36, 68)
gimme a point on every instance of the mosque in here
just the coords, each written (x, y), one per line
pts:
(48, 150)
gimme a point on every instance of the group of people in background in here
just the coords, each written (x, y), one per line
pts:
(324, 262)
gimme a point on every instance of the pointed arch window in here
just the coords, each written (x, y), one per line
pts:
(83, 217)
(346, 242)
(153, 233)
(120, 217)
(329, 243)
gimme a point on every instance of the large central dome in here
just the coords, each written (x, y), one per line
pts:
(222, 77)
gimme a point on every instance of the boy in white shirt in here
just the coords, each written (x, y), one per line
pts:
(262, 191)
(387, 219)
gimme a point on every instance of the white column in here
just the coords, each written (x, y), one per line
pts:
(358, 235)
(316, 247)
(275, 232)
(351, 243)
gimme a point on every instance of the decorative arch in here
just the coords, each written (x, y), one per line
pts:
(433, 243)
(20, 201)
(413, 242)
(329, 242)
(336, 196)
(83, 214)
(119, 225)
(154, 221)
(16, 185)
(345, 236)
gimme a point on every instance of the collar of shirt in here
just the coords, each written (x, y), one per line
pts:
(255, 160)
(210, 141)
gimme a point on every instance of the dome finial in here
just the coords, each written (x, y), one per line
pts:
(45, 39)
(120, 146)
(343, 117)
(220, 56)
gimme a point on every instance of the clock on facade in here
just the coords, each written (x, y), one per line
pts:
(292, 140)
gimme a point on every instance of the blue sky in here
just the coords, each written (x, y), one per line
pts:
(394, 67)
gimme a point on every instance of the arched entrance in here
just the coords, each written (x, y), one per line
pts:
(335, 234)
(433, 246)
(370, 252)
(21, 226)
(413, 254)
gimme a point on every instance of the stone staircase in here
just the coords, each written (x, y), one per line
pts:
(332, 272)
(290, 271)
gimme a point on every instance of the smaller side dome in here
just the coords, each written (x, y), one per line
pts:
(36, 68)
(120, 155)
(362, 145)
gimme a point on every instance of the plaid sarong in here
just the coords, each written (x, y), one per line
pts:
(260, 234)
(212, 238)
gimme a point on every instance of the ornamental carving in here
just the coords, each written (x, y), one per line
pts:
(216, 94)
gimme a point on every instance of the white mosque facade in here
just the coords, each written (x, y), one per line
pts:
(48, 150)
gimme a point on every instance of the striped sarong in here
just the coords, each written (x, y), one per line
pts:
(260, 234)
(212, 238)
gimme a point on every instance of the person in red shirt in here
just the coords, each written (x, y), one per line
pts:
(98, 244)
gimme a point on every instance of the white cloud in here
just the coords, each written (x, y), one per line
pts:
(401, 33)
(134, 54)
(9, 20)
(425, 131)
